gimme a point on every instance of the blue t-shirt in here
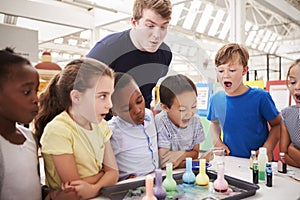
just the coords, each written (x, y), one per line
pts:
(243, 119)
(118, 52)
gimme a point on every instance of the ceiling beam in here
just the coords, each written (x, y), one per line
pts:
(283, 8)
(56, 12)
(65, 48)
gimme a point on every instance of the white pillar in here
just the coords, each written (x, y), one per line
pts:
(95, 35)
(237, 10)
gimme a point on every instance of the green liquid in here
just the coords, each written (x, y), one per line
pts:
(261, 175)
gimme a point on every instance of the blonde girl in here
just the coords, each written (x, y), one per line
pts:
(75, 140)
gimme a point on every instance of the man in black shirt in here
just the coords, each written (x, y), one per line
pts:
(140, 51)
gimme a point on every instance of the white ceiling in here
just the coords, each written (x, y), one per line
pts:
(271, 27)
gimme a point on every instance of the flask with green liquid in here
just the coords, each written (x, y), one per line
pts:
(169, 183)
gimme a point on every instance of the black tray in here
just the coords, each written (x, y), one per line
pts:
(246, 189)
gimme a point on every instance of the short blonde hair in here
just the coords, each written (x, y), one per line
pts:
(232, 53)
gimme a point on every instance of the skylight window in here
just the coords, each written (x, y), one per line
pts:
(192, 13)
(216, 23)
(273, 37)
(72, 42)
(250, 38)
(274, 47)
(267, 36)
(59, 40)
(225, 28)
(85, 34)
(204, 18)
(268, 47)
(176, 12)
(261, 46)
(253, 45)
(248, 26)
(258, 37)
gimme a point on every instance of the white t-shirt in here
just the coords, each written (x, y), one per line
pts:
(20, 171)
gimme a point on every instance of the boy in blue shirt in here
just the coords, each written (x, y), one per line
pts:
(242, 112)
(179, 129)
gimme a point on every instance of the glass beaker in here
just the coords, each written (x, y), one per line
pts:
(218, 157)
